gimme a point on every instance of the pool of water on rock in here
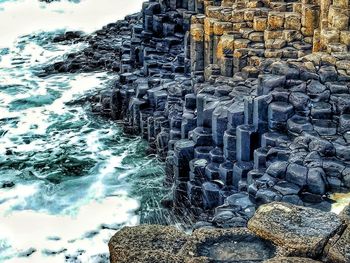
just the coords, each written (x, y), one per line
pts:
(68, 179)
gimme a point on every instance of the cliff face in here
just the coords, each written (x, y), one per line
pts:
(248, 102)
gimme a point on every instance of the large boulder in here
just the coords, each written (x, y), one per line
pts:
(299, 231)
(147, 244)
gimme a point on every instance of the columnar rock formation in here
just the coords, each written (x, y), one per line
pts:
(248, 102)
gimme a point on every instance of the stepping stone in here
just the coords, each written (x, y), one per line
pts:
(298, 230)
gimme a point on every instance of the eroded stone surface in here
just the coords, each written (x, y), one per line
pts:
(159, 242)
(300, 231)
(231, 245)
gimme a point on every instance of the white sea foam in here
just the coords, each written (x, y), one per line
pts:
(81, 213)
(22, 17)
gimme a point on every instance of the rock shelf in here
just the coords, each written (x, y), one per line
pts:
(278, 232)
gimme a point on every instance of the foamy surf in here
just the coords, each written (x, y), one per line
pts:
(69, 180)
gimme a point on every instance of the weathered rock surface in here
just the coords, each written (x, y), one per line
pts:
(228, 245)
(147, 243)
(338, 249)
(279, 233)
(299, 231)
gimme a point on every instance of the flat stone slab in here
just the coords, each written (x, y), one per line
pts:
(160, 243)
(291, 260)
(299, 231)
(228, 245)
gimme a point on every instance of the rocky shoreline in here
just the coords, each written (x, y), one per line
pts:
(277, 233)
(247, 103)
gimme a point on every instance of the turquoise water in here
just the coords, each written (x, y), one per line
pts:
(68, 179)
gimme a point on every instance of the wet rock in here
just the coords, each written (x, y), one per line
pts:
(7, 184)
(297, 174)
(299, 231)
(231, 245)
(212, 196)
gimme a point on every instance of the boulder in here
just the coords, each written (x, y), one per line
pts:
(300, 231)
(147, 243)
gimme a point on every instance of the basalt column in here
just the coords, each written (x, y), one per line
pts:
(197, 48)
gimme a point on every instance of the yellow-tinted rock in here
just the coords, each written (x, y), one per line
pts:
(316, 46)
(238, 26)
(327, 58)
(275, 20)
(343, 64)
(290, 35)
(345, 37)
(260, 24)
(341, 3)
(256, 37)
(197, 19)
(328, 37)
(209, 25)
(147, 243)
(297, 7)
(273, 53)
(273, 34)
(254, 61)
(237, 16)
(225, 45)
(292, 21)
(220, 28)
(241, 43)
(338, 18)
(197, 32)
(249, 15)
(309, 19)
(213, 11)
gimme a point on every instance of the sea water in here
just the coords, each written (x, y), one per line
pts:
(68, 179)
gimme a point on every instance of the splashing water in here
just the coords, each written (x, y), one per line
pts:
(68, 180)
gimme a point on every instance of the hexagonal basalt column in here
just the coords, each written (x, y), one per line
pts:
(278, 114)
(184, 153)
(219, 124)
(197, 47)
(247, 141)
